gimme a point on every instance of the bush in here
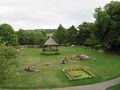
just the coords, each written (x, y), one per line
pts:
(7, 52)
(88, 42)
(50, 53)
(98, 47)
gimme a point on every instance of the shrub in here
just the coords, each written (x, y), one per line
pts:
(7, 52)
(88, 42)
(98, 47)
(50, 53)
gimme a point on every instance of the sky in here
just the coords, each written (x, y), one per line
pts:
(47, 14)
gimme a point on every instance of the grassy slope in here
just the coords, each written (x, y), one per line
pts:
(107, 67)
(116, 87)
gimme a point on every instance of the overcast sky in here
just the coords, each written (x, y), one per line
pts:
(32, 14)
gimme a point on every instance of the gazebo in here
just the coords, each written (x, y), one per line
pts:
(50, 47)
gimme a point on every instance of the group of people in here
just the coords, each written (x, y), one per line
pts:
(81, 57)
(64, 61)
(30, 69)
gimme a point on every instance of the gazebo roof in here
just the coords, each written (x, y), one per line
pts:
(50, 42)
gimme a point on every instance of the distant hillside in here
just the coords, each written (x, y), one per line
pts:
(48, 31)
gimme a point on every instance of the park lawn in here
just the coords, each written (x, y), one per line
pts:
(116, 87)
(52, 76)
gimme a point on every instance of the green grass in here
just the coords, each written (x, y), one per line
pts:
(52, 76)
(116, 87)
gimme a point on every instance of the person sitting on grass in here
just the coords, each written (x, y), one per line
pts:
(74, 57)
(64, 61)
(78, 57)
(27, 68)
(84, 57)
(30, 69)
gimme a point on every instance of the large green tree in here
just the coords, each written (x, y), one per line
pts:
(60, 35)
(71, 35)
(108, 25)
(21, 37)
(7, 35)
(85, 30)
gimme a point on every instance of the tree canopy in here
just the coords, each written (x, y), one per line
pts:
(31, 37)
(7, 34)
(85, 30)
(108, 25)
(71, 35)
(60, 35)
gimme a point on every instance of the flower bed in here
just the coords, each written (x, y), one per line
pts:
(78, 73)
(50, 53)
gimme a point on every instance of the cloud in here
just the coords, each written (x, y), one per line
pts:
(47, 13)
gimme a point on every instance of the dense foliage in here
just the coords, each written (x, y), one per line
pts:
(7, 35)
(73, 35)
(108, 26)
(85, 30)
(31, 37)
(104, 32)
(60, 35)
(6, 53)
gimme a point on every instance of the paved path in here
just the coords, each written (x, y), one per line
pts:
(98, 86)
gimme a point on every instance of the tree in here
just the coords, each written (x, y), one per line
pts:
(40, 37)
(7, 34)
(71, 35)
(85, 30)
(60, 35)
(31, 37)
(108, 25)
(21, 37)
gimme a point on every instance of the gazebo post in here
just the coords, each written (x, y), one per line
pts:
(56, 48)
(50, 47)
